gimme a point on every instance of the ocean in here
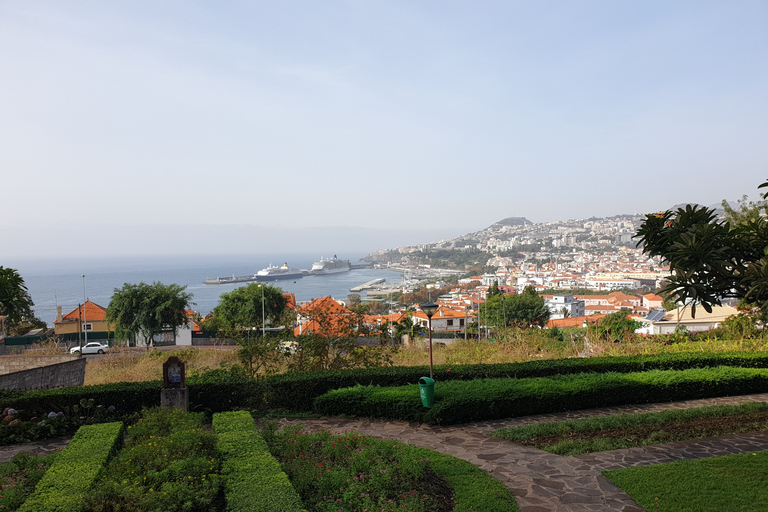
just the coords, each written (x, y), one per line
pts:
(59, 282)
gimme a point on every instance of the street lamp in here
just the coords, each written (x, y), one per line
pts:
(263, 318)
(85, 316)
(429, 309)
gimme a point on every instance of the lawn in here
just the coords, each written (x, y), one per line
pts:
(613, 432)
(729, 483)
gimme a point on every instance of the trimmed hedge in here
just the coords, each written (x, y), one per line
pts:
(219, 391)
(65, 484)
(297, 391)
(253, 478)
(463, 402)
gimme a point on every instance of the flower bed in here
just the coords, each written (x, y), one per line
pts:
(353, 472)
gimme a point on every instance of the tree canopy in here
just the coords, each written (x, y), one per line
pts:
(524, 310)
(710, 258)
(141, 311)
(241, 309)
(15, 301)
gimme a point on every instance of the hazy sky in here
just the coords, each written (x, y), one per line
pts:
(141, 127)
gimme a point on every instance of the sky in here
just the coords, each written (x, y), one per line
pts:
(145, 127)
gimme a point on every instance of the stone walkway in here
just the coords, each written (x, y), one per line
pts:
(540, 480)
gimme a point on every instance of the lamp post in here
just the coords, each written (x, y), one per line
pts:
(429, 309)
(85, 316)
(263, 317)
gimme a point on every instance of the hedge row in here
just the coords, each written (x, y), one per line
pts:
(64, 486)
(205, 395)
(297, 391)
(463, 402)
(219, 391)
(253, 478)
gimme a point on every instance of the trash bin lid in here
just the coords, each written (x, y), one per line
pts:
(426, 380)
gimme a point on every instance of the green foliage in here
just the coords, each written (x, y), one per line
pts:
(357, 472)
(253, 478)
(616, 326)
(710, 259)
(66, 484)
(479, 400)
(15, 301)
(731, 482)
(523, 310)
(141, 311)
(19, 476)
(169, 463)
(585, 435)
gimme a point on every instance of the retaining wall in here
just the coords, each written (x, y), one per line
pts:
(41, 372)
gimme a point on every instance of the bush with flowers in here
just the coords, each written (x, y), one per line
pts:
(19, 476)
(169, 463)
(357, 473)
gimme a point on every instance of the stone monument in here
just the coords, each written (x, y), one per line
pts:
(174, 394)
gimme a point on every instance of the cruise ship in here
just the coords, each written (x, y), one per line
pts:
(272, 273)
(331, 266)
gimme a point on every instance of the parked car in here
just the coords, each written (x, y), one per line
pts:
(94, 347)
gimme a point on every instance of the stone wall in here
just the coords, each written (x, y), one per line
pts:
(41, 372)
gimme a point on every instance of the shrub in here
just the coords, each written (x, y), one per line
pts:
(462, 402)
(297, 391)
(253, 478)
(64, 486)
(169, 463)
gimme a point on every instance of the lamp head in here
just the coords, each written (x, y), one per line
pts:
(429, 308)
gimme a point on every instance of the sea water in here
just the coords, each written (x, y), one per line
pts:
(60, 282)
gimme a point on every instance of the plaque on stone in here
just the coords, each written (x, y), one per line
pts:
(173, 373)
(174, 394)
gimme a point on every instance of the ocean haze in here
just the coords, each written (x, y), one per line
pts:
(24, 245)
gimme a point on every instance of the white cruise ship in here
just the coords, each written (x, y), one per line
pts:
(331, 266)
(271, 273)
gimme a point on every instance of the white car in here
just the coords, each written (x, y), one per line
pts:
(93, 347)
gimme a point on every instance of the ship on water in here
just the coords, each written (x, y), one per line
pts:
(330, 266)
(271, 273)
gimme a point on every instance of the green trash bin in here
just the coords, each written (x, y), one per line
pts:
(427, 391)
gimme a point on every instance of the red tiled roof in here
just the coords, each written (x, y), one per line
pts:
(93, 312)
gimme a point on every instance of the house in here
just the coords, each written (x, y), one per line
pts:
(88, 317)
(662, 322)
(652, 301)
(559, 305)
(325, 317)
(445, 319)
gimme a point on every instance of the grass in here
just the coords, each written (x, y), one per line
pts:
(574, 437)
(732, 482)
(19, 477)
(352, 472)
(122, 365)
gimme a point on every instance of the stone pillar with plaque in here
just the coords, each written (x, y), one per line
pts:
(174, 394)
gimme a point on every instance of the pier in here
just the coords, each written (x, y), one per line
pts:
(370, 284)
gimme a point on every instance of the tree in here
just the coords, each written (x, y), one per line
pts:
(524, 310)
(330, 336)
(711, 259)
(15, 301)
(142, 311)
(241, 314)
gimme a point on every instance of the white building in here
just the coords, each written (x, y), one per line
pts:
(560, 304)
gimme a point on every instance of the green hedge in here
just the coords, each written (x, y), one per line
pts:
(253, 478)
(297, 391)
(463, 402)
(220, 391)
(206, 394)
(65, 484)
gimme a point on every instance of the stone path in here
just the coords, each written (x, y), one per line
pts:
(542, 481)
(539, 480)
